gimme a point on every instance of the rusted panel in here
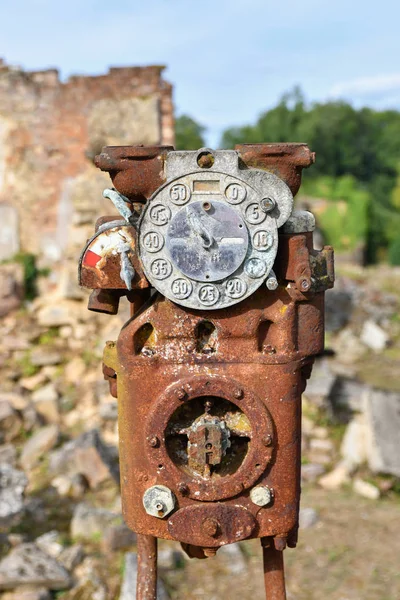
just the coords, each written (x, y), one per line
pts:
(211, 526)
(284, 160)
(136, 171)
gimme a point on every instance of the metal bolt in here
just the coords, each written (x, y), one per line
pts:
(181, 394)
(267, 441)
(158, 501)
(267, 204)
(210, 527)
(268, 349)
(153, 441)
(272, 282)
(205, 159)
(261, 495)
(238, 393)
(305, 284)
(183, 488)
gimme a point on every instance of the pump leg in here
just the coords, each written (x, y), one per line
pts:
(274, 575)
(147, 568)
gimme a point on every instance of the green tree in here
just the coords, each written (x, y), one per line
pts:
(362, 144)
(188, 134)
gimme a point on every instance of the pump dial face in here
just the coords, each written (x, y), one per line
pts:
(206, 241)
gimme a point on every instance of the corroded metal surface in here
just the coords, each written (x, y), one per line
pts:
(284, 160)
(146, 587)
(136, 171)
(210, 398)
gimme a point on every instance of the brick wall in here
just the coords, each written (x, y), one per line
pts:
(49, 133)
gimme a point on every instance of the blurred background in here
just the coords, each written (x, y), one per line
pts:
(77, 76)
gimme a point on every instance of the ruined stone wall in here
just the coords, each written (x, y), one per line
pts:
(49, 133)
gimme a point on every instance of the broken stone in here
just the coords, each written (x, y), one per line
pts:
(170, 558)
(90, 523)
(88, 455)
(10, 422)
(348, 395)
(338, 308)
(71, 557)
(45, 400)
(73, 486)
(323, 446)
(42, 356)
(109, 410)
(9, 239)
(74, 370)
(128, 589)
(366, 489)
(17, 401)
(39, 444)
(373, 336)
(356, 441)
(348, 347)
(49, 543)
(11, 287)
(383, 413)
(308, 517)
(336, 478)
(320, 383)
(12, 487)
(8, 454)
(311, 471)
(57, 314)
(27, 592)
(28, 564)
(118, 537)
(235, 560)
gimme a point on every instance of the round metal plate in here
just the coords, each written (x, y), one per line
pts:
(255, 461)
(207, 240)
(204, 241)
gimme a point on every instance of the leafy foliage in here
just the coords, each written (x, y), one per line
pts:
(358, 153)
(188, 134)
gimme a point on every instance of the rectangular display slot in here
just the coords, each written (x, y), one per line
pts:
(206, 186)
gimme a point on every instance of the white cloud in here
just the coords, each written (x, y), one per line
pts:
(367, 86)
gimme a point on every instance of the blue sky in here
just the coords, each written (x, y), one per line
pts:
(228, 59)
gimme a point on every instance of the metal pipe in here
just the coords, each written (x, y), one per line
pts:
(146, 588)
(274, 575)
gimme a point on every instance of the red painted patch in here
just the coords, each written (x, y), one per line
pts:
(91, 259)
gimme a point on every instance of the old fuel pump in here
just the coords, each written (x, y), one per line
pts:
(227, 297)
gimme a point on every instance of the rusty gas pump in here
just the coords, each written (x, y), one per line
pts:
(227, 297)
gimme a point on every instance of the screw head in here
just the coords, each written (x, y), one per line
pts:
(268, 349)
(267, 204)
(153, 441)
(183, 488)
(261, 495)
(210, 527)
(181, 394)
(267, 441)
(159, 501)
(238, 393)
(272, 283)
(305, 285)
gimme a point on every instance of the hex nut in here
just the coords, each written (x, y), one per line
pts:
(159, 501)
(261, 495)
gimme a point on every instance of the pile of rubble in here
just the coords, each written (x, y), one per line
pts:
(60, 516)
(354, 389)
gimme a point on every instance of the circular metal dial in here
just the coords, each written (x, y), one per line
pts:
(206, 240)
